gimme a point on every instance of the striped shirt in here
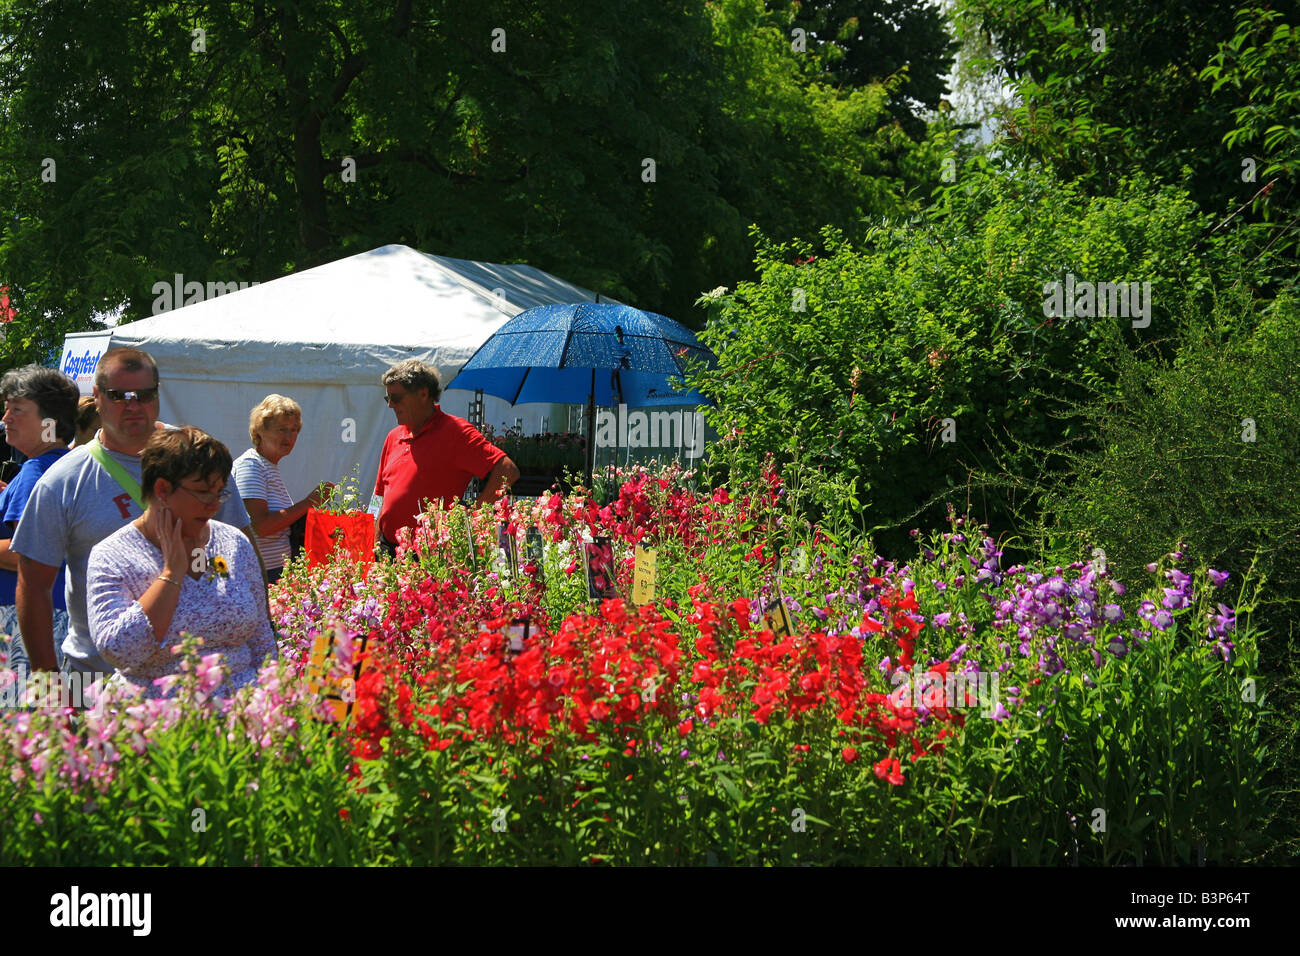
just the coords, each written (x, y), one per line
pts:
(258, 477)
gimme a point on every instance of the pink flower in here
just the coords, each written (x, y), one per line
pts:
(210, 673)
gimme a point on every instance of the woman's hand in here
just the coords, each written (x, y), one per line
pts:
(322, 493)
(164, 528)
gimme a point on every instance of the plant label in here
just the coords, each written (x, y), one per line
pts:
(508, 549)
(643, 575)
(777, 620)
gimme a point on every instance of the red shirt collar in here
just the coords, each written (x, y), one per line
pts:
(433, 421)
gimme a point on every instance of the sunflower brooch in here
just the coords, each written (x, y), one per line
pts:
(218, 567)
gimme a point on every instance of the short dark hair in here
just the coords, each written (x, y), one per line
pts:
(178, 453)
(131, 360)
(413, 374)
(53, 392)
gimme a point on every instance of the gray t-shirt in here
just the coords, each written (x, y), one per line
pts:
(74, 506)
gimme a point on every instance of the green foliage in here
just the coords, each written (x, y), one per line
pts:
(1171, 743)
(1106, 90)
(858, 44)
(224, 157)
(1200, 449)
(1262, 63)
(1200, 452)
(848, 365)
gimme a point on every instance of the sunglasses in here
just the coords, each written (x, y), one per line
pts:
(144, 395)
(391, 400)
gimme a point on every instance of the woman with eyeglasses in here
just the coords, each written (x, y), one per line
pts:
(175, 569)
(273, 426)
(40, 419)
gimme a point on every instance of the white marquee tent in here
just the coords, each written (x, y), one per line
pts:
(323, 337)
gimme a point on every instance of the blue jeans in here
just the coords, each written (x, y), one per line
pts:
(13, 642)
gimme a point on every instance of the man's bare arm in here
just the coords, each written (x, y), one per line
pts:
(499, 480)
(36, 612)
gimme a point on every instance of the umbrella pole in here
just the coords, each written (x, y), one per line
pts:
(591, 431)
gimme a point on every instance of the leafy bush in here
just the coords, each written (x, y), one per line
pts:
(1201, 449)
(852, 362)
(1200, 453)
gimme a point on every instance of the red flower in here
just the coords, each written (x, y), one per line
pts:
(849, 754)
(889, 769)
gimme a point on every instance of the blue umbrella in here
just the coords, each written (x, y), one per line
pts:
(586, 352)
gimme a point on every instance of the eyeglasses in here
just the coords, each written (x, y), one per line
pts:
(390, 399)
(207, 497)
(142, 395)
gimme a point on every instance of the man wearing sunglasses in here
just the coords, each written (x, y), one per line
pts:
(80, 501)
(430, 455)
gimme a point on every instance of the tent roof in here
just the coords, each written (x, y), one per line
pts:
(375, 307)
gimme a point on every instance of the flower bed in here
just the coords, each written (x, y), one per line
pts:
(945, 710)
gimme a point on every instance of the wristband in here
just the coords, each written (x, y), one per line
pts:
(163, 577)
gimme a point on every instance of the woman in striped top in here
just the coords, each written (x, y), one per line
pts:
(274, 426)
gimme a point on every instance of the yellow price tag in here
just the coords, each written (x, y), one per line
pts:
(643, 575)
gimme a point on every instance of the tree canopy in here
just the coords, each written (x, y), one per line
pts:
(627, 147)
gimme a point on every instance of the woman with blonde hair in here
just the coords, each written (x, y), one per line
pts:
(273, 426)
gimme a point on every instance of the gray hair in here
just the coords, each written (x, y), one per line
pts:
(412, 374)
(53, 392)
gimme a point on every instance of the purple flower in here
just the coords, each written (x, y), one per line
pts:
(1153, 567)
(943, 618)
(1113, 613)
(1180, 578)
(1174, 599)
(1118, 647)
(1217, 578)
(1161, 620)
(1000, 712)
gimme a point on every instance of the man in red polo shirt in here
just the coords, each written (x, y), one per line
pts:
(430, 456)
